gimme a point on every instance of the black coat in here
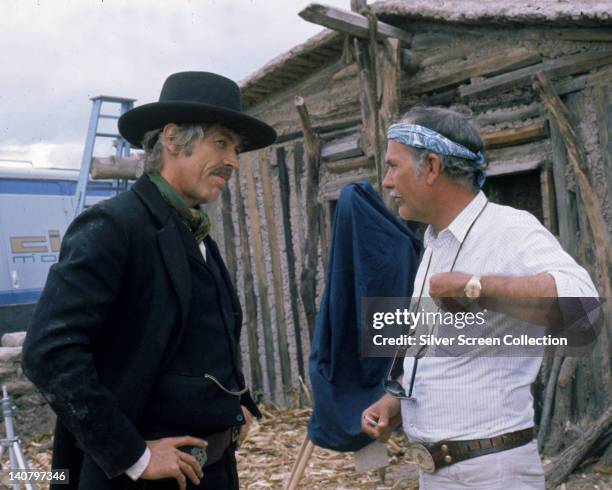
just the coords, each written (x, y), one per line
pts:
(112, 311)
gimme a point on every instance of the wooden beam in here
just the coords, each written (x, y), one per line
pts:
(308, 279)
(506, 168)
(277, 273)
(117, 167)
(464, 71)
(548, 199)
(260, 269)
(228, 233)
(250, 300)
(566, 65)
(501, 116)
(447, 54)
(603, 103)
(581, 82)
(339, 149)
(390, 70)
(368, 97)
(567, 235)
(577, 159)
(595, 34)
(350, 23)
(515, 136)
(285, 198)
(351, 164)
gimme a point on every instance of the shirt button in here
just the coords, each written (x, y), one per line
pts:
(240, 418)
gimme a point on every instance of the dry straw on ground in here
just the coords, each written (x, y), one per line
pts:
(266, 458)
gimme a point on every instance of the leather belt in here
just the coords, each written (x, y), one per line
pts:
(217, 445)
(433, 456)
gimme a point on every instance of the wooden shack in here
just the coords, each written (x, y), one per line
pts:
(535, 76)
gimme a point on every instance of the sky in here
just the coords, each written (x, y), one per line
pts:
(56, 54)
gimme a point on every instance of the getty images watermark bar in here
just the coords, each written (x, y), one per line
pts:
(453, 327)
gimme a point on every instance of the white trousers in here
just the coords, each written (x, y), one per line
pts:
(514, 469)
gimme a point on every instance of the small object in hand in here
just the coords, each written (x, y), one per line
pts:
(199, 453)
(370, 421)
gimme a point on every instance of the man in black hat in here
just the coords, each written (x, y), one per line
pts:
(135, 338)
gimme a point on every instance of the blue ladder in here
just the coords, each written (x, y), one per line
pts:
(122, 147)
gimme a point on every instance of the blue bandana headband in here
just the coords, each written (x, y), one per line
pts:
(422, 137)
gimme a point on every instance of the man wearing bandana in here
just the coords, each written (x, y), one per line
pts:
(469, 418)
(135, 339)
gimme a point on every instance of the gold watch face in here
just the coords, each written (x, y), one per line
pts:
(418, 454)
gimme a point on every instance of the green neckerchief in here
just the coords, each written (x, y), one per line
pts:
(196, 219)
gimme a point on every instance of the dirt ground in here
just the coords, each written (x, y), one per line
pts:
(266, 458)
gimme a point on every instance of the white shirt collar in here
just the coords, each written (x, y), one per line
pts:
(462, 222)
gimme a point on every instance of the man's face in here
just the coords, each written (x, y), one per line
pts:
(408, 188)
(200, 176)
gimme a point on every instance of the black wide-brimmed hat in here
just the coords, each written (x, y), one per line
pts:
(196, 97)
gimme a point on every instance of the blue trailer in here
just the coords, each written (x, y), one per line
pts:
(36, 207)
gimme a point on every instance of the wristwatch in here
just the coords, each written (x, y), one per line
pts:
(473, 288)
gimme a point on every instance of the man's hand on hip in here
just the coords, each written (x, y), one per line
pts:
(380, 419)
(167, 461)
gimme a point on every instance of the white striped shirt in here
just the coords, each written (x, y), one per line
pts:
(459, 398)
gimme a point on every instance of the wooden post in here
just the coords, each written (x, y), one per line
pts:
(391, 66)
(228, 233)
(250, 302)
(279, 300)
(369, 103)
(567, 231)
(260, 268)
(577, 159)
(285, 195)
(312, 148)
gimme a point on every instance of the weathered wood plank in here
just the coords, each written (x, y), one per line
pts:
(285, 196)
(262, 281)
(566, 65)
(506, 168)
(548, 199)
(331, 190)
(350, 23)
(228, 233)
(117, 167)
(308, 279)
(250, 303)
(490, 65)
(579, 83)
(366, 60)
(348, 165)
(603, 103)
(577, 159)
(279, 302)
(515, 136)
(594, 34)
(339, 149)
(446, 55)
(501, 116)
(567, 235)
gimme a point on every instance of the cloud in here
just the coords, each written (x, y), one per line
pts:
(63, 52)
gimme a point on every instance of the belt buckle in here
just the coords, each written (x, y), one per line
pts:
(420, 455)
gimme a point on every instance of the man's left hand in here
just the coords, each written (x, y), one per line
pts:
(244, 430)
(448, 290)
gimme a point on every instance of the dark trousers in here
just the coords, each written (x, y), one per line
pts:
(222, 475)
